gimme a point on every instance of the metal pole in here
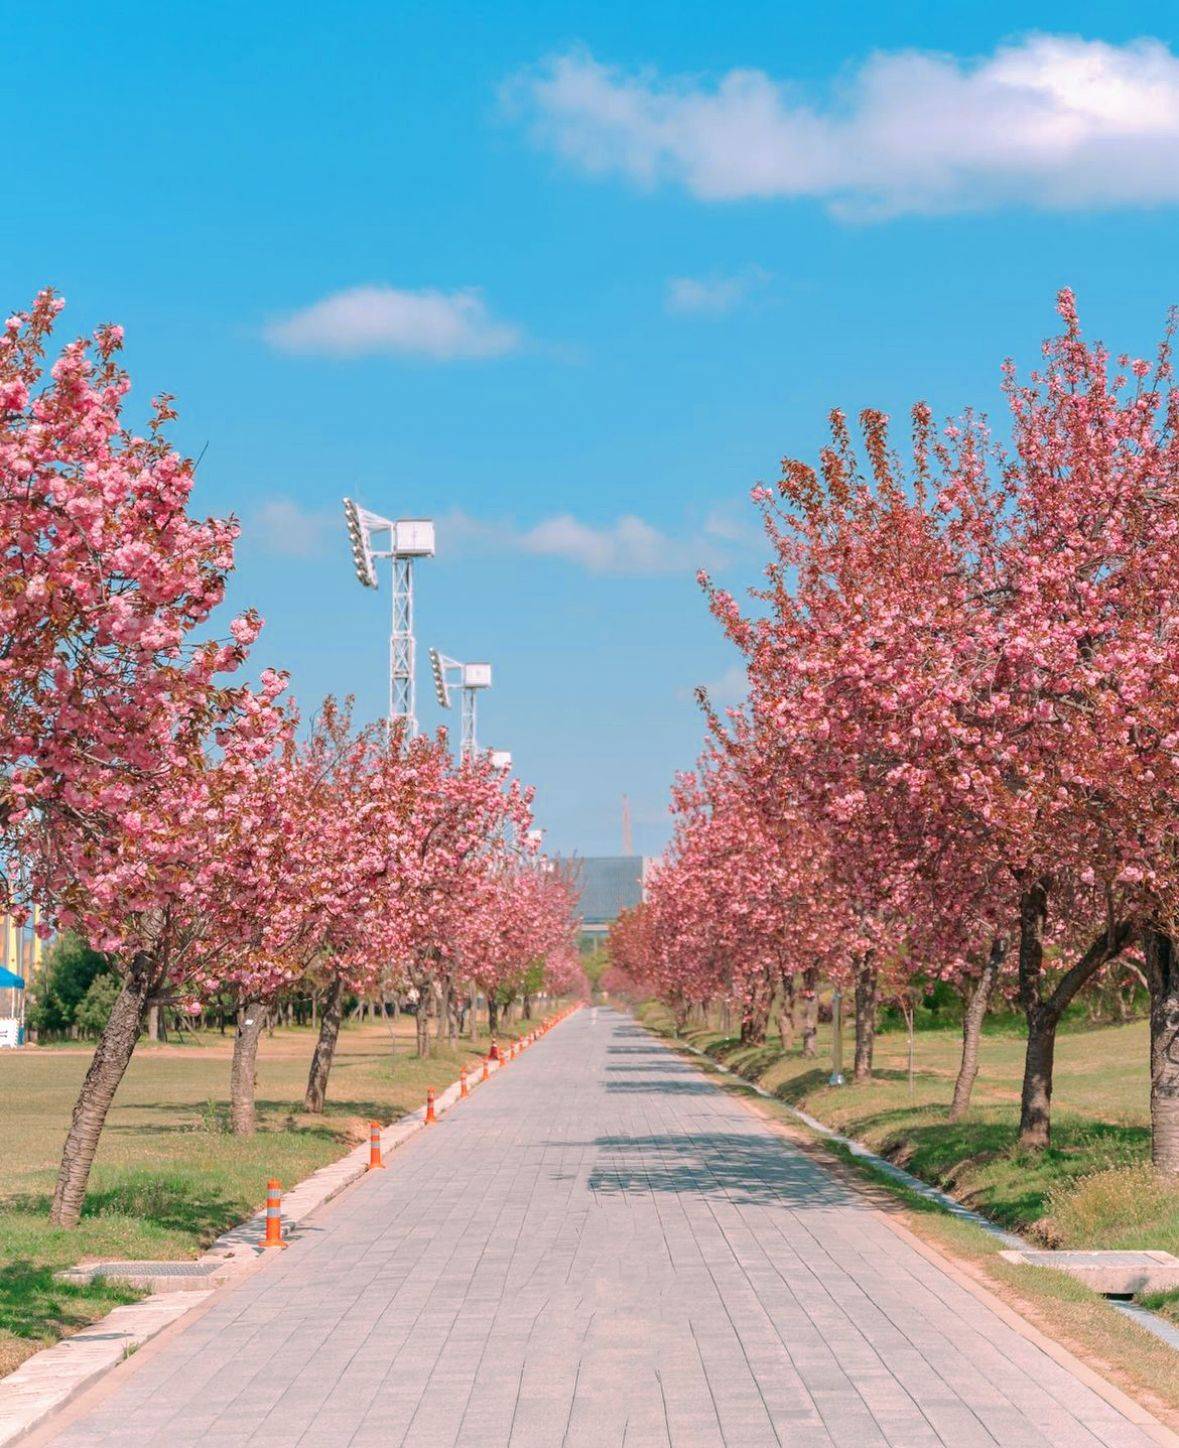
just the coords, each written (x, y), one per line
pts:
(836, 1077)
(468, 744)
(401, 648)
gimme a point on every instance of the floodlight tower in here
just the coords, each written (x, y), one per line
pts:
(470, 678)
(409, 538)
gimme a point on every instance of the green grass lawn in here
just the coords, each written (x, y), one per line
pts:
(1092, 1188)
(168, 1177)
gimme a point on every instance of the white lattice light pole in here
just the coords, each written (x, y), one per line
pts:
(470, 679)
(409, 538)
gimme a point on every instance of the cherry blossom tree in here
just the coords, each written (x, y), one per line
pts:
(119, 739)
(962, 706)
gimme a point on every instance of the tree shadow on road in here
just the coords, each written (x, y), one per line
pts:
(737, 1167)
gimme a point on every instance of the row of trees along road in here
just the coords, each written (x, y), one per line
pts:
(183, 823)
(959, 755)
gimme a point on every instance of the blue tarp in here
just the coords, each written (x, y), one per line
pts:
(10, 981)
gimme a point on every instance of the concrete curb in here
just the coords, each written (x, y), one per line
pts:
(53, 1377)
(49, 1379)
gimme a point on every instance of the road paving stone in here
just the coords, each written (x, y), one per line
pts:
(601, 1248)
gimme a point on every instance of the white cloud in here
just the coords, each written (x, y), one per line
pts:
(285, 527)
(730, 689)
(629, 545)
(712, 296)
(370, 320)
(1054, 121)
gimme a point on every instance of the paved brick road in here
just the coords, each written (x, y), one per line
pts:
(600, 1248)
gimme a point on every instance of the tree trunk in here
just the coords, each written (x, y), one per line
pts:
(786, 1013)
(755, 1017)
(1162, 971)
(251, 1017)
(972, 1021)
(1043, 1014)
(472, 1015)
(810, 1012)
(111, 1058)
(325, 1047)
(1035, 1111)
(442, 997)
(527, 1006)
(492, 1015)
(422, 1023)
(865, 1018)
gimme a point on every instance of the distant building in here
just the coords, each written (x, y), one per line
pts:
(20, 945)
(607, 885)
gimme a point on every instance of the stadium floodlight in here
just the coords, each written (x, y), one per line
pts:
(409, 538)
(501, 759)
(441, 686)
(358, 536)
(470, 678)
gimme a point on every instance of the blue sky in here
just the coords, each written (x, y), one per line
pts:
(571, 279)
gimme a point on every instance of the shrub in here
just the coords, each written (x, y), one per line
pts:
(69, 969)
(1126, 1206)
(94, 1011)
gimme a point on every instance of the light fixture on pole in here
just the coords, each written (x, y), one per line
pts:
(470, 678)
(409, 538)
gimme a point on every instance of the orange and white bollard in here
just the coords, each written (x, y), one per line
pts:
(486, 1072)
(374, 1146)
(430, 1117)
(273, 1236)
(463, 1092)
